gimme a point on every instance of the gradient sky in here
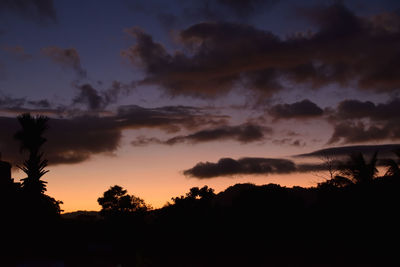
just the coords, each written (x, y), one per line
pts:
(161, 96)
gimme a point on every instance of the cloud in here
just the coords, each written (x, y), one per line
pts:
(355, 109)
(69, 140)
(116, 90)
(36, 10)
(244, 133)
(89, 96)
(358, 132)
(97, 100)
(302, 109)
(169, 118)
(249, 166)
(67, 58)
(205, 73)
(368, 150)
(216, 57)
(76, 139)
(357, 121)
(229, 167)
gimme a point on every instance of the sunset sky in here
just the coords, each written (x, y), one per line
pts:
(160, 96)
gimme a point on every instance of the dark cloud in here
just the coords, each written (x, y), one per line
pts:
(169, 118)
(383, 151)
(90, 97)
(69, 140)
(359, 132)
(302, 109)
(357, 121)
(37, 10)
(229, 167)
(355, 109)
(244, 133)
(68, 58)
(249, 166)
(97, 100)
(75, 139)
(218, 56)
(212, 69)
(116, 90)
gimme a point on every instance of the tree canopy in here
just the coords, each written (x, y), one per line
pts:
(115, 202)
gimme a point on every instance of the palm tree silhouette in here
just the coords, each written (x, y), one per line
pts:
(357, 170)
(393, 165)
(31, 140)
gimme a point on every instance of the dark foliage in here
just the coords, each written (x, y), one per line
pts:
(245, 225)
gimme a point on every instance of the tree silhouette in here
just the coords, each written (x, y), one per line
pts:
(393, 165)
(30, 136)
(357, 170)
(116, 202)
(195, 193)
(31, 140)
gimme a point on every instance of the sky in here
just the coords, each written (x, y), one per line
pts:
(162, 96)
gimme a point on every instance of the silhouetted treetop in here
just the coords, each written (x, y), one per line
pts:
(195, 193)
(358, 170)
(116, 201)
(393, 165)
(30, 135)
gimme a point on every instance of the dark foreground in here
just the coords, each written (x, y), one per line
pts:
(246, 225)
